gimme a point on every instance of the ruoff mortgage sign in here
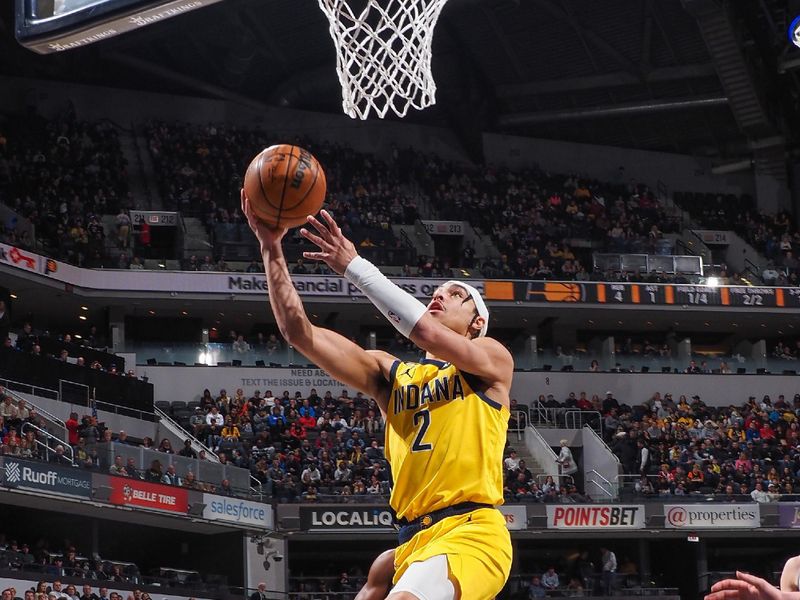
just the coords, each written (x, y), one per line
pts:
(47, 478)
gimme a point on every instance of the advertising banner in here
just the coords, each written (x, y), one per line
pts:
(133, 492)
(789, 515)
(595, 516)
(46, 477)
(538, 292)
(712, 516)
(516, 516)
(20, 259)
(234, 510)
(375, 519)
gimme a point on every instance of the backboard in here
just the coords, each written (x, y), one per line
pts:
(48, 26)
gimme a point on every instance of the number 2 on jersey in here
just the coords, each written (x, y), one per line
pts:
(422, 419)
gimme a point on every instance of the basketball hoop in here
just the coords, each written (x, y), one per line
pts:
(383, 54)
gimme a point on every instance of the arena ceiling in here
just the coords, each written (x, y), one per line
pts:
(631, 73)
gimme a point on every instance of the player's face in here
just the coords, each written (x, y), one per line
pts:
(453, 307)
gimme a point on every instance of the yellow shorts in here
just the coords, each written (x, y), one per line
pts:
(478, 550)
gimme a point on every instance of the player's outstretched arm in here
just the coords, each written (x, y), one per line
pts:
(379, 579)
(485, 358)
(341, 358)
(789, 575)
(748, 587)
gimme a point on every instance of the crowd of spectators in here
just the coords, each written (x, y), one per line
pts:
(62, 175)
(42, 557)
(544, 225)
(670, 447)
(87, 350)
(520, 485)
(786, 350)
(200, 168)
(775, 236)
(65, 174)
(302, 448)
(575, 574)
(80, 447)
(57, 565)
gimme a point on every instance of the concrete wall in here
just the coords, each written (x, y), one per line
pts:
(598, 459)
(132, 426)
(187, 383)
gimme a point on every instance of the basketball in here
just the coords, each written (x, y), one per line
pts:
(285, 184)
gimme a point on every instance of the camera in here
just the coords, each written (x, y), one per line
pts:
(278, 557)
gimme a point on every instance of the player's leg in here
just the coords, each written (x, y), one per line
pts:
(379, 579)
(429, 579)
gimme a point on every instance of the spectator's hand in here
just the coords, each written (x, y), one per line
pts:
(336, 251)
(748, 587)
(267, 236)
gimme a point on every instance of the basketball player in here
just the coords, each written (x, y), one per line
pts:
(750, 587)
(379, 578)
(446, 415)
(790, 576)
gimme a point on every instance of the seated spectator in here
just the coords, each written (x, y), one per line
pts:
(171, 477)
(154, 474)
(536, 589)
(550, 579)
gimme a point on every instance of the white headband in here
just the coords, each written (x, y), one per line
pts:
(479, 303)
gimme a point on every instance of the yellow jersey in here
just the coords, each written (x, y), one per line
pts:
(444, 439)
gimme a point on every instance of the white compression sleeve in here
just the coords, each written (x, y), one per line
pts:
(401, 308)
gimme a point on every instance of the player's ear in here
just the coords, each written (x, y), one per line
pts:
(476, 326)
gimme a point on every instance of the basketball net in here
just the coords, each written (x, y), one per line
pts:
(383, 54)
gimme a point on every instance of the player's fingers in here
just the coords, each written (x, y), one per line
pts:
(315, 255)
(323, 231)
(314, 239)
(729, 584)
(334, 227)
(757, 582)
(726, 595)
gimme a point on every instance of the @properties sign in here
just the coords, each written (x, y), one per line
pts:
(712, 516)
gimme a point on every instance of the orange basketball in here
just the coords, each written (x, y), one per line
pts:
(285, 184)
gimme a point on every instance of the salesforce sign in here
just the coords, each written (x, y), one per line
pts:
(234, 510)
(48, 478)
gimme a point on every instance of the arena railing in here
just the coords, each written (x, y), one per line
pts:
(52, 421)
(522, 419)
(49, 447)
(256, 488)
(204, 471)
(27, 388)
(567, 418)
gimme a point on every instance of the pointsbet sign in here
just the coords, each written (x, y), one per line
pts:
(712, 516)
(599, 516)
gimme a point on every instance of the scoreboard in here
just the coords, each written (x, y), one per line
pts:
(48, 26)
(605, 293)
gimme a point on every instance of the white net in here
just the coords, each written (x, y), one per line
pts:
(384, 54)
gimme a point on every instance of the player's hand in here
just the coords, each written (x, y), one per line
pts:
(267, 236)
(335, 250)
(747, 587)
